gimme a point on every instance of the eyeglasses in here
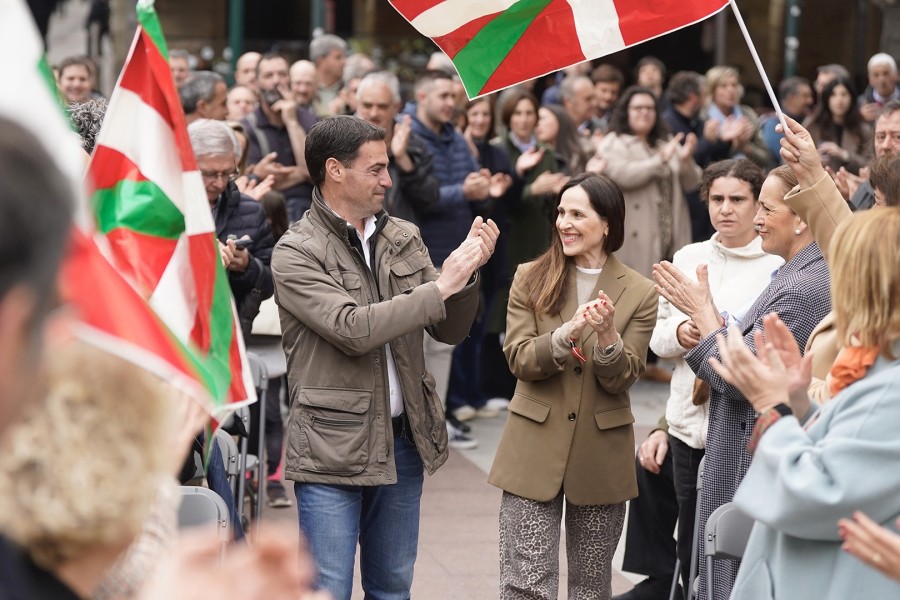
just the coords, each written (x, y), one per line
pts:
(211, 176)
(642, 108)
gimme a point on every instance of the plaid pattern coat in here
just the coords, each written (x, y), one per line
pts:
(801, 295)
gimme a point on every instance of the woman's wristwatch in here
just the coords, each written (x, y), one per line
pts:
(609, 349)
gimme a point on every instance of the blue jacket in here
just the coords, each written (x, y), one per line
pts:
(802, 481)
(445, 225)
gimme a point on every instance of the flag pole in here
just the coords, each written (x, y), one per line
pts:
(759, 65)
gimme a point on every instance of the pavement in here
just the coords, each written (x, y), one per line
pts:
(458, 540)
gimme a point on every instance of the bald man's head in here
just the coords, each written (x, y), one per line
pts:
(303, 81)
(245, 69)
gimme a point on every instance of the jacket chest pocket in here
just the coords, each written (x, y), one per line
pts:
(407, 273)
(333, 430)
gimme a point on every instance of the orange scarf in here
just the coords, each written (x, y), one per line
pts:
(851, 365)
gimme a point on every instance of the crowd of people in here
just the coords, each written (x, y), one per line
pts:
(436, 260)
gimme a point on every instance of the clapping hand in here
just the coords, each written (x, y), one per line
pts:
(693, 298)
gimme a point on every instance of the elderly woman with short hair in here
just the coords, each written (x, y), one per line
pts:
(798, 292)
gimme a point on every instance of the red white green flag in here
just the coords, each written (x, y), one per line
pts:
(107, 310)
(150, 204)
(498, 43)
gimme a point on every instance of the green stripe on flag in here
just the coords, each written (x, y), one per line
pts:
(222, 327)
(140, 206)
(486, 51)
(47, 75)
(150, 22)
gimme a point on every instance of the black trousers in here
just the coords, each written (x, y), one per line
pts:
(685, 464)
(663, 501)
(274, 426)
(649, 545)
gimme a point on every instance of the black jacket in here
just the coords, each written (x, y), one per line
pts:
(241, 215)
(417, 191)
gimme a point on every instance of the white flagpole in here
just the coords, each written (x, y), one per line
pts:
(759, 66)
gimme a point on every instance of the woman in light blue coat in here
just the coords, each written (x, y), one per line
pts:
(846, 458)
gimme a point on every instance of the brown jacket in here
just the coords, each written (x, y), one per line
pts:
(336, 318)
(570, 425)
(822, 208)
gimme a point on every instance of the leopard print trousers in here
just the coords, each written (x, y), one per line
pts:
(529, 548)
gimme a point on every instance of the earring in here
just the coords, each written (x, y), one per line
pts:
(797, 231)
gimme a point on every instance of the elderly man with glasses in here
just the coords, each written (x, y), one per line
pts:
(245, 236)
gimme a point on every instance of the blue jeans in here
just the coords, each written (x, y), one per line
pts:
(384, 519)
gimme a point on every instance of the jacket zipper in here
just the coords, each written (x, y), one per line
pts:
(337, 422)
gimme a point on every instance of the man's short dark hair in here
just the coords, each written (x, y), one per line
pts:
(430, 76)
(339, 138)
(200, 85)
(682, 85)
(607, 73)
(791, 86)
(650, 60)
(35, 213)
(270, 56)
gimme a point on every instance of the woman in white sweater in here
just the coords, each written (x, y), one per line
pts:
(738, 270)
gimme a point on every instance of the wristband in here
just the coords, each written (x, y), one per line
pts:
(766, 419)
(577, 352)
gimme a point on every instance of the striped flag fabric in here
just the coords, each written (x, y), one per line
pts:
(499, 43)
(107, 310)
(150, 205)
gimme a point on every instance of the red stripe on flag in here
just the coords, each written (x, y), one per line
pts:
(236, 389)
(413, 8)
(141, 258)
(87, 276)
(533, 56)
(147, 74)
(109, 167)
(640, 20)
(456, 40)
(203, 256)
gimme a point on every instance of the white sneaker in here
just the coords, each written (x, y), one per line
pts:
(465, 413)
(486, 412)
(458, 440)
(498, 404)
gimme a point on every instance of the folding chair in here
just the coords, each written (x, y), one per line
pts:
(201, 506)
(261, 383)
(695, 543)
(727, 532)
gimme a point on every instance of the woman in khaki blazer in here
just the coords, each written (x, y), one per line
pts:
(578, 328)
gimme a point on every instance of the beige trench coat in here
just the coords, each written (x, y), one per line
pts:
(637, 170)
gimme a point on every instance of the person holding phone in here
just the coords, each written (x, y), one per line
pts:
(276, 134)
(244, 233)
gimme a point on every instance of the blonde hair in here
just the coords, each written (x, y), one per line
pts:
(716, 75)
(865, 280)
(83, 469)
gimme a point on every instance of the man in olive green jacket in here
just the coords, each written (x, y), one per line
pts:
(356, 290)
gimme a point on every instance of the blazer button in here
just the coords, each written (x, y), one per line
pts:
(398, 242)
(578, 370)
(571, 416)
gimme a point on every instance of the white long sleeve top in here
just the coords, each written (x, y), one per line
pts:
(736, 278)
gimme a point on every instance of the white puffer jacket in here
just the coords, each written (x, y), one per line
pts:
(736, 278)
